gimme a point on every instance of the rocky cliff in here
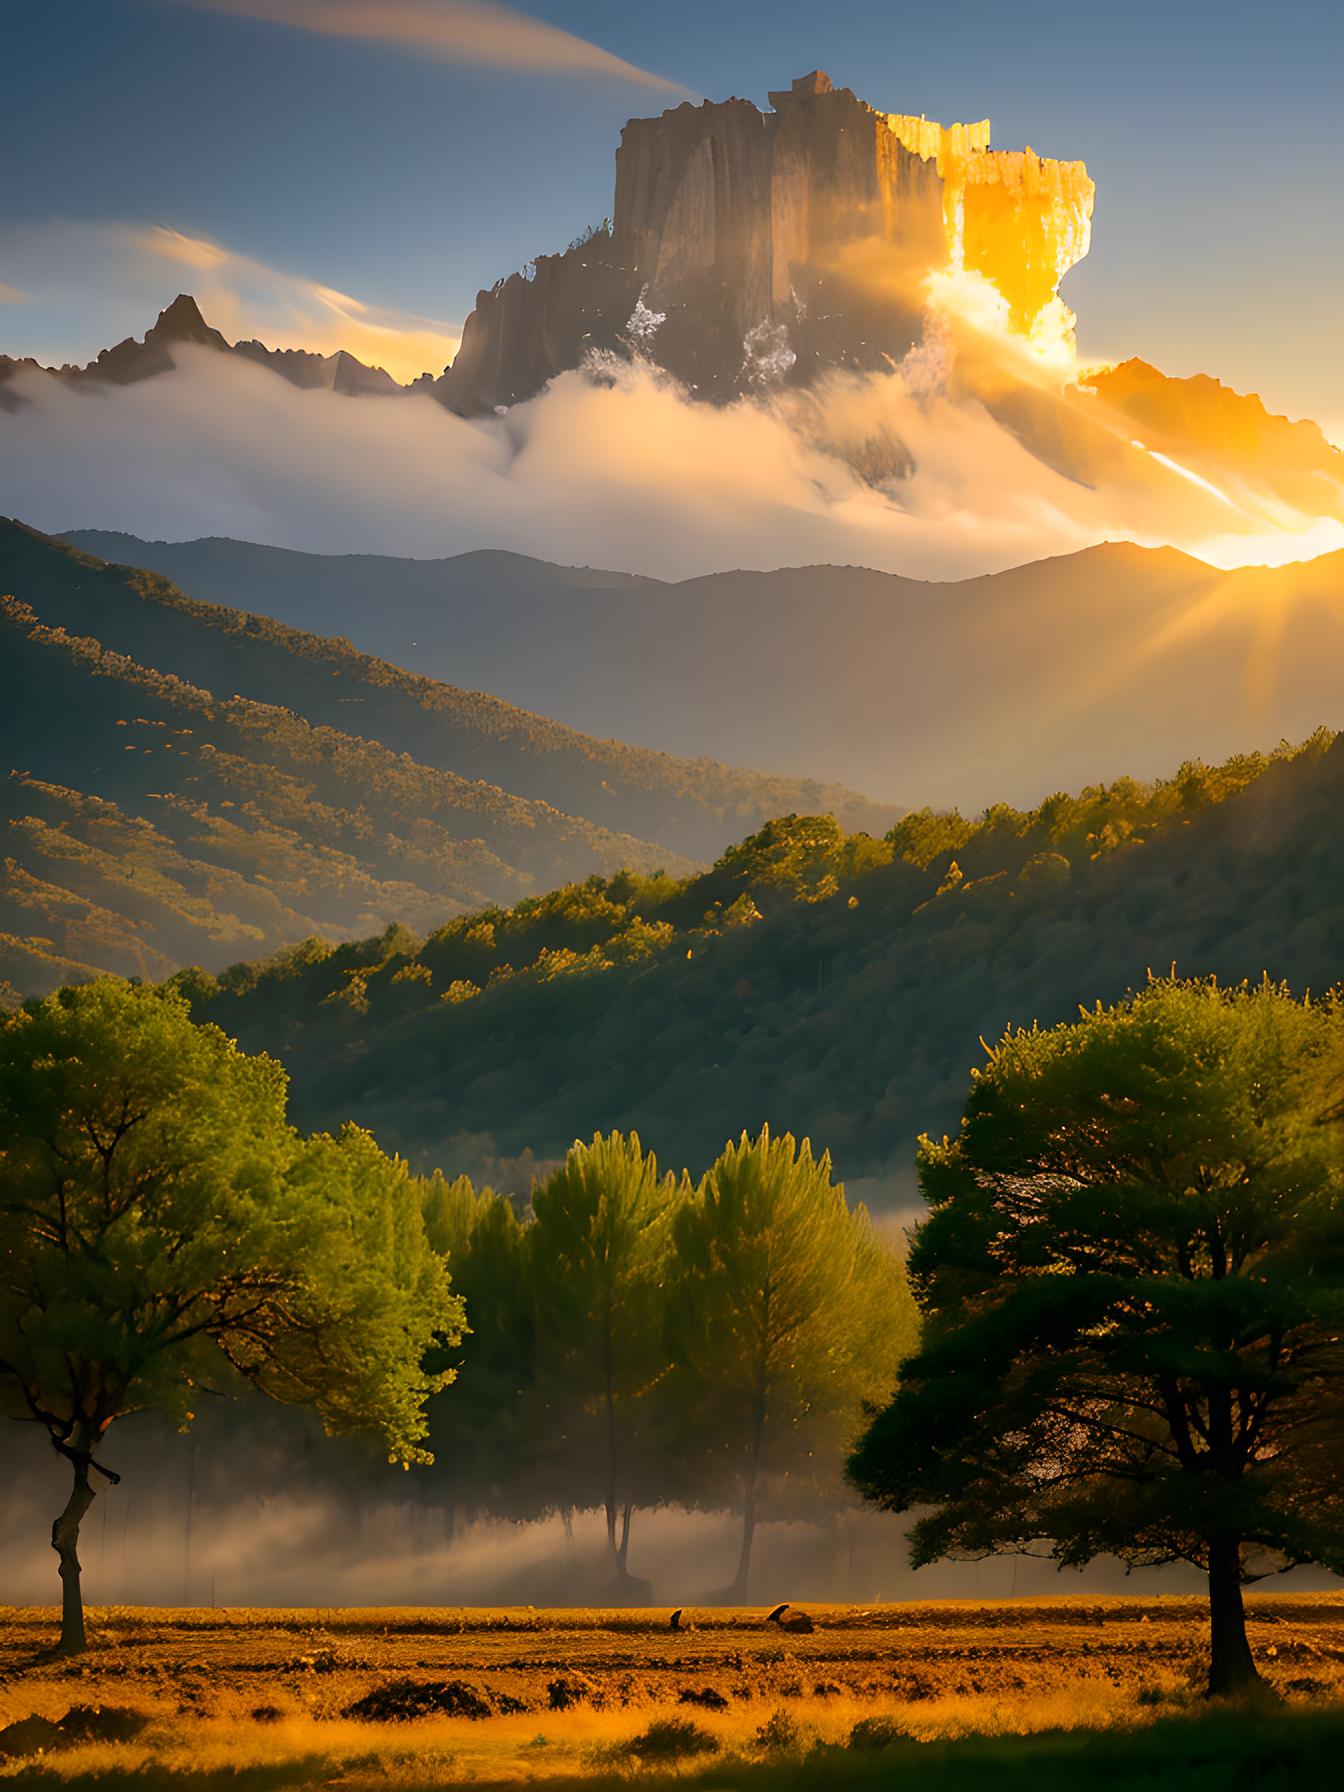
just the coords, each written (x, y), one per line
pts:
(747, 247)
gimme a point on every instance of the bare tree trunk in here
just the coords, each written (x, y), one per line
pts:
(1232, 1668)
(186, 1541)
(742, 1579)
(743, 1576)
(609, 1509)
(65, 1541)
(610, 1501)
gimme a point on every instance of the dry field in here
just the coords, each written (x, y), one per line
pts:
(431, 1698)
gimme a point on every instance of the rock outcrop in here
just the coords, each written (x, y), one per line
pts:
(180, 325)
(748, 248)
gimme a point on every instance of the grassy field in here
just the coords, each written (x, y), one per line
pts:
(1067, 1692)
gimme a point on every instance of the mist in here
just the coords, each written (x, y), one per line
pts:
(612, 466)
(221, 1518)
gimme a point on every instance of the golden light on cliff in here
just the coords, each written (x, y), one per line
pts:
(1019, 219)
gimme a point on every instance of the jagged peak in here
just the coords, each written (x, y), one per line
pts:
(182, 321)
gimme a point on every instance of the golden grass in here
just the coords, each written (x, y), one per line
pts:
(267, 1691)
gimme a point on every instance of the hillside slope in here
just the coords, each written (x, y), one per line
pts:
(150, 823)
(1064, 672)
(827, 985)
(691, 807)
(186, 784)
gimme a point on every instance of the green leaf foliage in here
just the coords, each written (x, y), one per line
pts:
(832, 983)
(599, 1241)
(164, 1232)
(787, 1314)
(1132, 1278)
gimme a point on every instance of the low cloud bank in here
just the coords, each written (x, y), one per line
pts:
(613, 466)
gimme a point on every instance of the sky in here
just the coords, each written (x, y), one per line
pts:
(350, 172)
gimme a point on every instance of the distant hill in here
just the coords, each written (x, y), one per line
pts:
(834, 986)
(1052, 675)
(188, 784)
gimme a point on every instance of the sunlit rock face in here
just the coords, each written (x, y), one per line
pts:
(1017, 218)
(811, 227)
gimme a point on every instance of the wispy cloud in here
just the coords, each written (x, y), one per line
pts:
(244, 297)
(10, 295)
(86, 285)
(475, 31)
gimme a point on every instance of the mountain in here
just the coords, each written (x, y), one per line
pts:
(190, 783)
(746, 248)
(180, 325)
(1127, 429)
(1229, 430)
(802, 256)
(1059, 673)
(834, 986)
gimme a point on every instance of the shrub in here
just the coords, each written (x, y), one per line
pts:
(672, 1739)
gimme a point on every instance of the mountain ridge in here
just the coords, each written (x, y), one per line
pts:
(223, 758)
(909, 689)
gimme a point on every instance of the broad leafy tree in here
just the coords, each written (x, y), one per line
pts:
(166, 1235)
(787, 1314)
(599, 1243)
(1133, 1285)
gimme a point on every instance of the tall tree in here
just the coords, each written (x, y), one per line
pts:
(599, 1238)
(165, 1234)
(787, 1313)
(488, 1455)
(1133, 1283)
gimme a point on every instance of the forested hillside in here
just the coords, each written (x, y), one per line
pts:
(831, 985)
(190, 785)
(693, 807)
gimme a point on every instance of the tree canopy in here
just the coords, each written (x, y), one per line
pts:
(599, 1245)
(1132, 1278)
(682, 1008)
(786, 1314)
(165, 1235)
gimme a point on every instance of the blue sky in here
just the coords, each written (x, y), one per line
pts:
(409, 180)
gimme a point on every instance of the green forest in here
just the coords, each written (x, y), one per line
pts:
(820, 982)
(198, 785)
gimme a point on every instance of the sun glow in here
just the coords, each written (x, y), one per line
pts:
(1206, 485)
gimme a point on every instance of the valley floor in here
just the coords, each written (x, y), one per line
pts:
(1062, 1691)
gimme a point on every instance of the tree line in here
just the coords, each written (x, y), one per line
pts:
(636, 1337)
(811, 978)
(1130, 1293)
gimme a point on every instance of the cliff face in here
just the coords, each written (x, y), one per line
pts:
(751, 247)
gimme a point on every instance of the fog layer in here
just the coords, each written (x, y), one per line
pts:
(613, 467)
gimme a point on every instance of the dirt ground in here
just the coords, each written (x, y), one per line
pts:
(447, 1697)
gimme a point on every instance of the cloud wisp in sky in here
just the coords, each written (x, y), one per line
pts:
(474, 31)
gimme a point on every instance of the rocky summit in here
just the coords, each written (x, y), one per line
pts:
(748, 248)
